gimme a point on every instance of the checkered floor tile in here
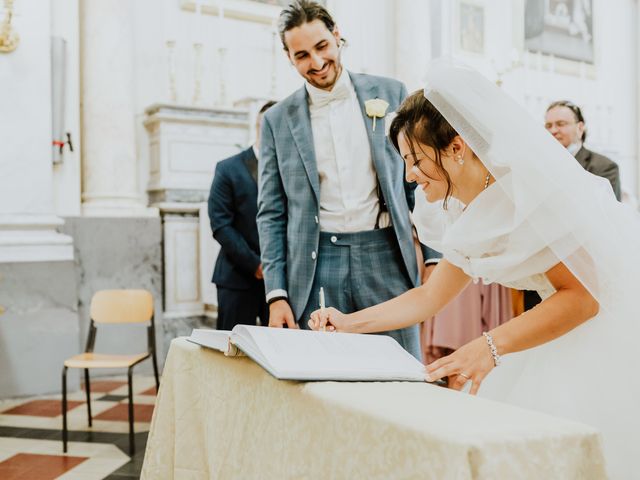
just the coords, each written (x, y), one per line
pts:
(30, 433)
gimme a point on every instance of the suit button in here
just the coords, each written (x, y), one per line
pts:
(316, 217)
(334, 239)
(313, 255)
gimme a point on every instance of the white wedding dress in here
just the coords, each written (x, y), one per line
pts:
(543, 209)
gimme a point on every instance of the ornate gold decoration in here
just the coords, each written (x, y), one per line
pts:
(9, 39)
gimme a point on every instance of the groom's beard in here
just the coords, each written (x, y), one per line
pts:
(335, 69)
(328, 80)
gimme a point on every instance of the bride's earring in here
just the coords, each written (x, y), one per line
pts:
(460, 159)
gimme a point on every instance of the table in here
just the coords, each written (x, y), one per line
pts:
(219, 417)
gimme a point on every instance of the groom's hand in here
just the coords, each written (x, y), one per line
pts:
(280, 314)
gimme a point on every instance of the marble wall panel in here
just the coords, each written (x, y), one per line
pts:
(39, 326)
(114, 253)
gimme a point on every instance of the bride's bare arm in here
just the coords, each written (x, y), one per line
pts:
(571, 305)
(414, 306)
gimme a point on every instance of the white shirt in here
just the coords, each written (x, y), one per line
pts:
(574, 148)
(348, 183)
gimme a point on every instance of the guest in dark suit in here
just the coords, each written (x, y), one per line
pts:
(602, 166)
(565, 122)
(233, 206)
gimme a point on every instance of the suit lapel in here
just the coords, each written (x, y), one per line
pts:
(583, 156)
(367, 90)
(299, 120)
(250, 161)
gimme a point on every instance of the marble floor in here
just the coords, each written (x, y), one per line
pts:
(31, 438)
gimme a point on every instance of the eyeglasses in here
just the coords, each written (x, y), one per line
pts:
(558, 124)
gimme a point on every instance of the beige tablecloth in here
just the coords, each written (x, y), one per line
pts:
(227, 418)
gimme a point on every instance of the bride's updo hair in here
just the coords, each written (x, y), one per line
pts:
(422, 123)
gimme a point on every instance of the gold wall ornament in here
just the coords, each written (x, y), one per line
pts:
(9, 38)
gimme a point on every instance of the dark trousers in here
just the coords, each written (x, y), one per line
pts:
(359, 270)
(242, 307)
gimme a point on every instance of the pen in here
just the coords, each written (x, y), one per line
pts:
(322, 305)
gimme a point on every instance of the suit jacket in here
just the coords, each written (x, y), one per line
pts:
(288, 204)
(233, 205)
(602, 166)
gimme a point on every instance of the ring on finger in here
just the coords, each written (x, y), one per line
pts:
(465, 375)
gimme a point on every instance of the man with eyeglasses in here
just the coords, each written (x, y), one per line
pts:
(565, 122)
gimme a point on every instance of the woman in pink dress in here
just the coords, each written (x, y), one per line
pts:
(478, 308)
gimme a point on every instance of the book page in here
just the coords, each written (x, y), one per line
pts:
(214, 339)
(320, 355)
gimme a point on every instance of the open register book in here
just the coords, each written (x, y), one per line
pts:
(290, 354)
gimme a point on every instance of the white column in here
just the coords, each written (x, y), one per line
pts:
(110, 165)
(27, 220)
(183, 293)
(209, 250)
(185, 144)
(637, 129)
(413, 42)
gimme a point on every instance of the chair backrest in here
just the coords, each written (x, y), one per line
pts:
(122, 306)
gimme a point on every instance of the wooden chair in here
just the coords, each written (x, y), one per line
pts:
(113, 307)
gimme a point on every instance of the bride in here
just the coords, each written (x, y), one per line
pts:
(508, 204)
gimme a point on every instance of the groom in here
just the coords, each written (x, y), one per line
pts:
(333, 208)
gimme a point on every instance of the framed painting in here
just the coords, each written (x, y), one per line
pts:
(562, 28)
(471, 27)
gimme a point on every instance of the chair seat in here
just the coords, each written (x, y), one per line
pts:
(101, 360)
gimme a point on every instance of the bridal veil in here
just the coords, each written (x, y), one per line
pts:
(544, 208)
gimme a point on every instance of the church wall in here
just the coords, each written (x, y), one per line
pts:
(241, 64)
(26, 116)
(606, 90)
(38, 311)
(118, 253)
(39, 326)
(67, 172)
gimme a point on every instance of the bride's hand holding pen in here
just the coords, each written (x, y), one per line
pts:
(328, 319)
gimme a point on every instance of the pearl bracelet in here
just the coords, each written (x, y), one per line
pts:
(492, 348)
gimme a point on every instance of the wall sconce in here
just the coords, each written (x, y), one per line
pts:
(9, 39)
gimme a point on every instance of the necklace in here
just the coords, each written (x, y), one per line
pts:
(486, 184)
(486, 180)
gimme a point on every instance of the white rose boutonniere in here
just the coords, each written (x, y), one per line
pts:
(376, 108)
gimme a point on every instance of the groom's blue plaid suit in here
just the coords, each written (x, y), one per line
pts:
(288, 203)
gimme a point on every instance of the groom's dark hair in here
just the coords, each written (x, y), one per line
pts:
(301, 12)
(422, 123)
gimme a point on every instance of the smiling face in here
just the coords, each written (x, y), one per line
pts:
(421, 167)
(314, 51)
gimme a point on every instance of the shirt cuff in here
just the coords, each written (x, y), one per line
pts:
(432, 261)
(279, 292)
